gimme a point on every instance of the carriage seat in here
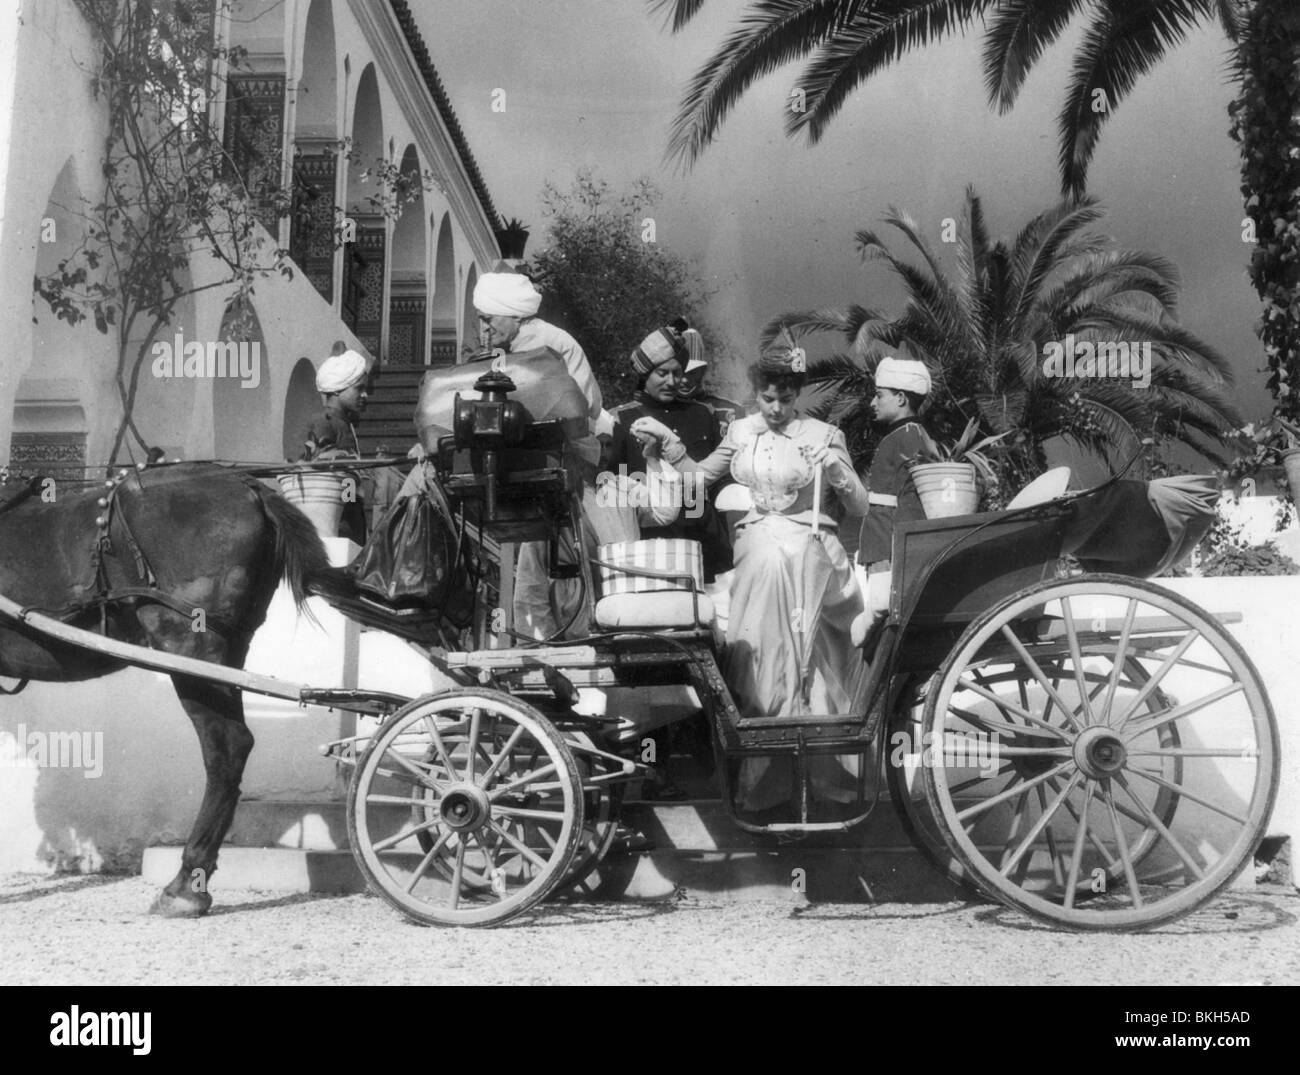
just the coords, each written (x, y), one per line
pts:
(656, 610)
(652, 585)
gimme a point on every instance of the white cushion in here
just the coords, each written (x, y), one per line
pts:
(655, 611)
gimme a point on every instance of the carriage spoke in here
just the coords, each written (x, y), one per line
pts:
(1081, 820)
(457, 873)
(1053, 853)
(966, 785)
(1039, 675)
(1193, 752)
(439, 747)
(533, 815)
(528, 778)
(528, 853)
(1017, 820)
(501, 758)
(996, 726)
(1042, 823)
(421, 777)
(397, 838)
(1159, 674)
(1121, 845)
(1157, 720)
(475, 723)
(1014, 789)
(398, 800)
(1001, 703)
(1121, 649)
(493, 871)
(1076, 659)
(1076, 857)
(1183, 793)
(1160, 827)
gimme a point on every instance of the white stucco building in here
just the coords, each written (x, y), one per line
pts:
(329, 70)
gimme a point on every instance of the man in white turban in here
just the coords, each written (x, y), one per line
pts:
(507, 305)
(341, 382)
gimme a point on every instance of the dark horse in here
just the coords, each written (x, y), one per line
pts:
(139, 561)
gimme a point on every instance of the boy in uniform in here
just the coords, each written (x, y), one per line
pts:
(901, 388)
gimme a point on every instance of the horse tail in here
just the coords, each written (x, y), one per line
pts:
(300, 558)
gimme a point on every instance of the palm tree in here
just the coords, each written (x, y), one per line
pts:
(853, 39)
(985, 329)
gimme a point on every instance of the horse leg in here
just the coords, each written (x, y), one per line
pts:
(217, 712)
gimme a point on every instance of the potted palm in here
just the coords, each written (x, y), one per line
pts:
(947, 476)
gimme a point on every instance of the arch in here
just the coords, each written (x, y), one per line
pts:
(318, 93)
(364, 274)
(315, 153)
(301, 403)
(469, 317)
(408, 304)
(241, 387)
(444, 342)
(49, 422)
(367, 132)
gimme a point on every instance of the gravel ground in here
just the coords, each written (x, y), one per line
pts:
(94, 931)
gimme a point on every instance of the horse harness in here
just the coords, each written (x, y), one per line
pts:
(112, 525)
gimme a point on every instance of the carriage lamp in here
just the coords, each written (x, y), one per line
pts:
(490, 423)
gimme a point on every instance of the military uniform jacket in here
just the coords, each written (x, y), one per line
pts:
(892, 495)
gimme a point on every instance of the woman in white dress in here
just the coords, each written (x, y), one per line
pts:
(794, 595)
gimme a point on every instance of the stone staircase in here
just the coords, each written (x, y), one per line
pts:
(389, 418)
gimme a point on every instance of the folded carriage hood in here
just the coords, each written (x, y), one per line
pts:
(1141, 528)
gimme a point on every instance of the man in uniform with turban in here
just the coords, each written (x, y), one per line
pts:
(341, 382)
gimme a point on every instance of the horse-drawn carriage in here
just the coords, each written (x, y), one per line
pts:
(1083, 745)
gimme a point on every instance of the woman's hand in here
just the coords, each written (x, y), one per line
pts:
(655, 437)
(836, 472)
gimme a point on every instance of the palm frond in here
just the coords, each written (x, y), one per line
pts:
(1016, 38)
(1122, 43)
(1168, 338)
(680, 11)
(877, 36)
(1037, 250)
(769, 34)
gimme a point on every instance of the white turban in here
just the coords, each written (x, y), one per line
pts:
(903, 375)
(506, 294)
(340, 372)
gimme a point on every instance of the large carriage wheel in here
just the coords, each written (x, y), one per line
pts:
(1122, 747)
(466, 808)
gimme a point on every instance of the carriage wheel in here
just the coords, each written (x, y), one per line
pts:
(1103, 753)
(602, 807)
(466, 808)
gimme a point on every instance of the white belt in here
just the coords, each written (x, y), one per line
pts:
(883, 499)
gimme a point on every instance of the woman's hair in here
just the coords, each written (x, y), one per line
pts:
(776, 369)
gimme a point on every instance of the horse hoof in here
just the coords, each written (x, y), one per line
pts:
(186, 905)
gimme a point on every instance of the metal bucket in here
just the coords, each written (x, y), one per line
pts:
(319, 495)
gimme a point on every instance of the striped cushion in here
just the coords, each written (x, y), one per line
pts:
(668, 555)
